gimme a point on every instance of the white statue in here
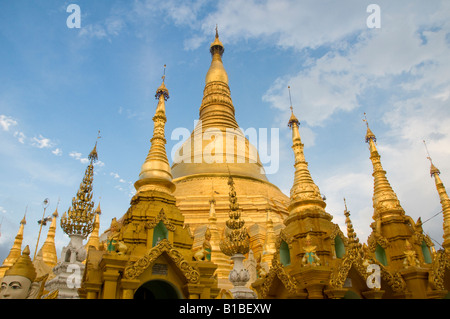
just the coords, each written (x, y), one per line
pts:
(20, 280)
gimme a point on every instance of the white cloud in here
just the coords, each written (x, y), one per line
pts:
(115, 175)
(99, 163)
(2, 210)
(93, 31)
(57, 152)
(77, 156)
(41, 142)
(20, 136)
(6, 122)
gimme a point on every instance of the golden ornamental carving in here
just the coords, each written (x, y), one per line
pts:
(375, 239)
(80, 218)
(164, 246)
(337, 231)
(340, 274)
(278, 270)
(436, 275)
(394, 280)
(236, 239)
(160, 217)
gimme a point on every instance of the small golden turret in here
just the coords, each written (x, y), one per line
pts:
(155, 172)
(304, 191)
(94, 237)
(49, 255)
(444, 199)
(385, 201)
(16, 249)
(353, 240)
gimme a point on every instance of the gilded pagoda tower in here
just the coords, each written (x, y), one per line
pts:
(217, 148)
(148, 252)
(15, 251)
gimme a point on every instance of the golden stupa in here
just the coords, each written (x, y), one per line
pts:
(184, 225)
(196, 169)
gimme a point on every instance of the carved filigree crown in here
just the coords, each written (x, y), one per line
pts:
(80, 217)
(236, 237)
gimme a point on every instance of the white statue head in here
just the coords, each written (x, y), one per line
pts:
(18, 280)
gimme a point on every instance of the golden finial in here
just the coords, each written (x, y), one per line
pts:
(162, 90)
(433, 169)
(93, 156)
(217, 46)
(369, 134)
(292, 119)
(365, 119)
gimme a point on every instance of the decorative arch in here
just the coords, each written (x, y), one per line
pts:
(278, 271)
(134, 270)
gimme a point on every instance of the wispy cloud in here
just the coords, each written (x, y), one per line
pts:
(124, 186)
(42, 142)
(20, 136)
(84, 160)
(78, 157)
(57, 151)
(6, 122)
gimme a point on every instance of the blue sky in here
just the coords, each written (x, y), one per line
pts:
(60, 85)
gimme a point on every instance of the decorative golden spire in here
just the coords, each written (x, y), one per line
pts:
(23, 266)
(155, 172)
(79, 219)
(216, 71)
(444, 199)
(236, 241)
(94, 237)
(16, 249)
(49, 255)
(352, 238)
(304, 191)
(384, 198)
(217, 108)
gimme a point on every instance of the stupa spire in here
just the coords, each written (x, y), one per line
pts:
(49, 255)
(217, 108)
(304, 190)
(352, 238)
(155, 172)
(384, 198)
(94, 237)
(16, 249)
(444, 199)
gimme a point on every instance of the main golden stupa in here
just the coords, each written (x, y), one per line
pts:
(261, 202)
(183, 235)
